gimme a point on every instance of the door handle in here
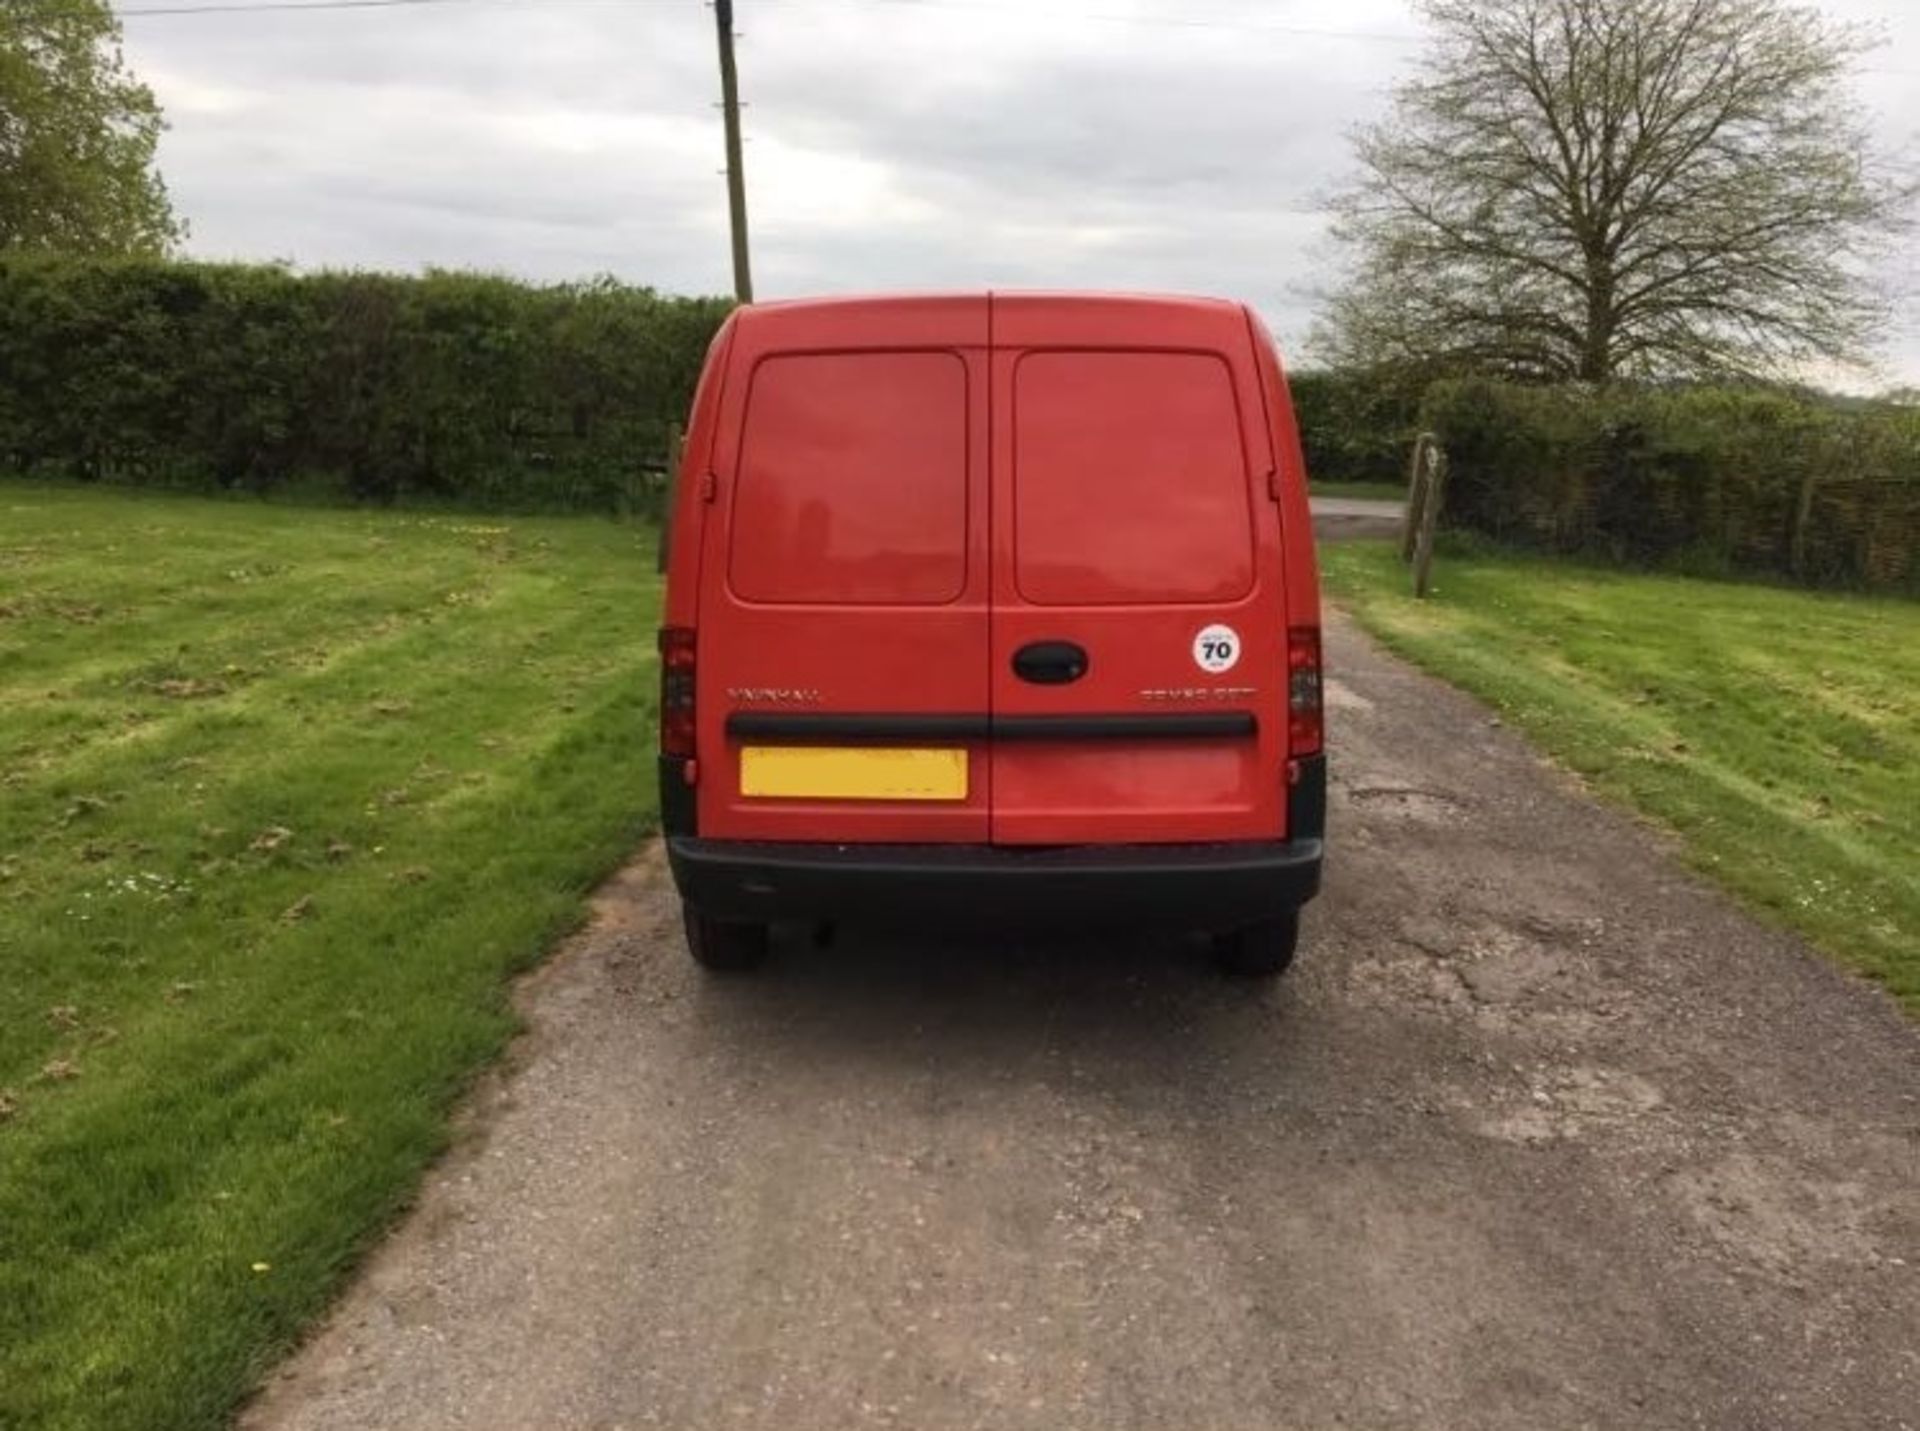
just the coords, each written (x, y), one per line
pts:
(1050, 663)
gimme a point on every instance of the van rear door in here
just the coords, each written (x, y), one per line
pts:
(842, 689)
(1138, 621)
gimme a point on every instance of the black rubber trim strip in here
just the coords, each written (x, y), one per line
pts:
(814, 725)
(1173, 725)
(807, 725)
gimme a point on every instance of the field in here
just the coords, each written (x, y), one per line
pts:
(1777, 731)
(285, 798)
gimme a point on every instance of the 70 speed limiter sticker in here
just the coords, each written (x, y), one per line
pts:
(1216, 650)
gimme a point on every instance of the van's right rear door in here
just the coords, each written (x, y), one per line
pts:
(1139, 618)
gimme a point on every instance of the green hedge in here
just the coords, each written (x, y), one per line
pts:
(1725, 480)
(448, 387)
(1356, 425)
(484, 391)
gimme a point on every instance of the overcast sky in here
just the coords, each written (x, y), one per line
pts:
(1157, 144)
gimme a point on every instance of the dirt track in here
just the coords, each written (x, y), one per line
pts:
(1540, 1133)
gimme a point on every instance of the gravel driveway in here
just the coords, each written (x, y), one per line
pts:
(1540, 1133)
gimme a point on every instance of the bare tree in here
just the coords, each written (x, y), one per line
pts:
(1596, 188)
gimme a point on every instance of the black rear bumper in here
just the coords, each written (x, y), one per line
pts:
(1218, 886)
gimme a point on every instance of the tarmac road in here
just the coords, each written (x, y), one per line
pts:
(1540, 1133)
(1344, 518)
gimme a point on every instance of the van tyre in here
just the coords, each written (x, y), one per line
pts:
(1259, 951)
(723, 944)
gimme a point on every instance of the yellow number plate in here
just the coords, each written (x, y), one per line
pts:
(818, 772)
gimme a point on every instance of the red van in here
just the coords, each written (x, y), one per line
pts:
(998, 604)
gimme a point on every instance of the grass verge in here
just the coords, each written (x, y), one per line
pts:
(1364, 491)
(1777, 731)
(285, 797)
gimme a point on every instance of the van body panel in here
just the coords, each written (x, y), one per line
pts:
(1301, 570)
(1131, 459)
(688, 521)
(846, 433)
(1059, 539)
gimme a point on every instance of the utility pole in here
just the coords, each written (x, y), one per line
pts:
(736, 179)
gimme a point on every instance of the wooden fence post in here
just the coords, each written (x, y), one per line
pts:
(1436, 488)
(1418, 475)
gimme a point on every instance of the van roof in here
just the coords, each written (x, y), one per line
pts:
(803, 321)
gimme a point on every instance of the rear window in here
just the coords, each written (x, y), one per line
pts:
(1130, 484)
(852, 487)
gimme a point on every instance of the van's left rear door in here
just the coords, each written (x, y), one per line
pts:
(842, 677)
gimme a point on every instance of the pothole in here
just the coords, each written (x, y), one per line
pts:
(1408, 802)
(1573, 1103)
(1768, 1214)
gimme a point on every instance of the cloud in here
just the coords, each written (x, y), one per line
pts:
(892, 143)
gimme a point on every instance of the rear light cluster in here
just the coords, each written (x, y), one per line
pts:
(1306, 727)
(676, 691)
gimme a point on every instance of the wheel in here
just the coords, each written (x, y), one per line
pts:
(1260, 950)
(723, 944)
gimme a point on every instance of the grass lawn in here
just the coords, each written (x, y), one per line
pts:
(285, 797)
(1367, 491)
(1777, 731)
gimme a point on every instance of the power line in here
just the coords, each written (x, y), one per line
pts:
(1182, 22)
(1185, 22)
(257, 6)
(260, 5)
